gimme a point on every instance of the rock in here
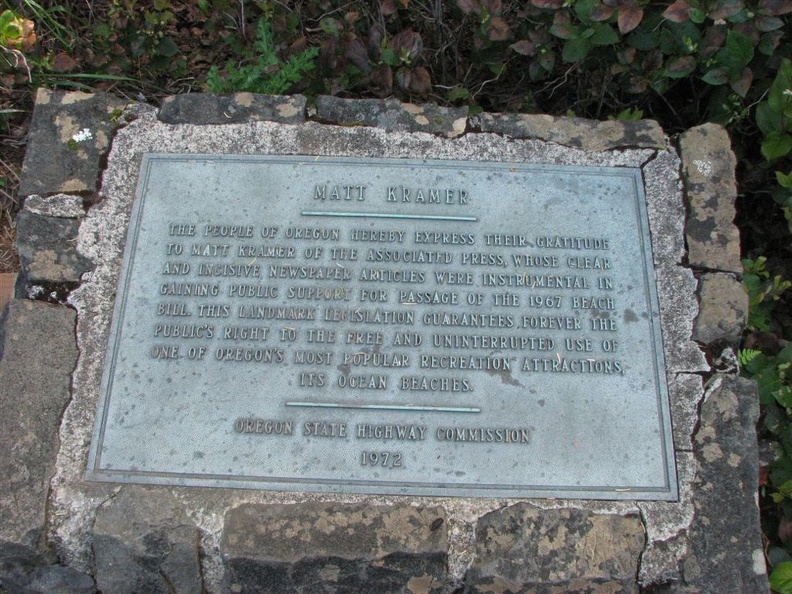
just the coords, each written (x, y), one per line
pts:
(708, 165)
(18, 563)
(204, 108)
(588, 135)
(56, 579)
(392, 115)
(726, 553)
(723, 309)
(332, 547)
(523, 549)
(37, 355)
(678, 309)
(64, 206)
(47, 248)
(144, 542)
(68, 141)
(24, 571)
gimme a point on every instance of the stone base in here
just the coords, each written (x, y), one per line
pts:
(59, 533)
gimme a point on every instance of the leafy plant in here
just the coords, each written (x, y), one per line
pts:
(774, 117)
(17, 36)
(781, 578)
(773, 375)
(265, 72)
(763, 293)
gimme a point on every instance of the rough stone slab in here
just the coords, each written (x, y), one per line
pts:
(666, 208)
(37, 356)
(726, 547)
(667, 528)
(392, 115)
(331, 547)
(203, 108)
(708, 165)
(144, 542)
(24, 571)
(579, 133)
(48, 248)
(678, 310)
(57, 579)
(723, 309)
(66, 206)
(18, 563)
(56, 160)
(523, 549)
(685, 391)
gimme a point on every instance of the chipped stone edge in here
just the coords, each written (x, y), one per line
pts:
(65, 206)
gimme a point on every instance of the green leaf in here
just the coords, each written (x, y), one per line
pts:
(769, 42)
(784, 397)
(167, 47)
(776, 555)
(546, 61)
(583, 9)
(739, 49)
(782, 196)
(768, 119)
(388, 56)
(628, 115)
(458, 93)
(575, 50)
(781, 578)
(331, 26)
(784, 179)
(776, 145)
(716, 76)
(785, 355)
(679, 38)
(697, 15)
(643, 39)
(6, 17)
(604, 34)
(780, 94)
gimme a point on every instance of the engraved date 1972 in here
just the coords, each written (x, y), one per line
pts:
(382, 459)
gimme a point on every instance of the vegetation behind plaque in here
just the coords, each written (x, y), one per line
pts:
(681, 63)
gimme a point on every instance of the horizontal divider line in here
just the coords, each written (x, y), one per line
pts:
(385, 215)
(406, 407)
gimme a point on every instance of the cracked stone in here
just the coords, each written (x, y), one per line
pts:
(725, 534)
(37, 355)
(392, 115)
(579, 133)
(69, 138)
(48, 248)
(144, 542)
(331, 547)
(708, 165)
(204, 108)
(524, 549)
(723, 309)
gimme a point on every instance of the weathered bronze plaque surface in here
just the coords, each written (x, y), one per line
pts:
(387, 326)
